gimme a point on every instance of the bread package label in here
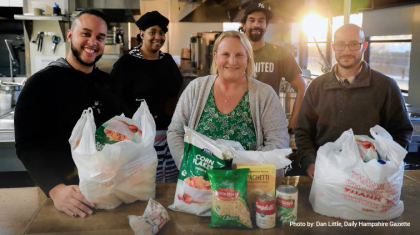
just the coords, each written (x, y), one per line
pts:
(261, 180)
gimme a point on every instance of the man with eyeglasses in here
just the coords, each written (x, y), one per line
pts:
(351, 95)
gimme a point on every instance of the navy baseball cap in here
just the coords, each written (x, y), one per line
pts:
(258, 7)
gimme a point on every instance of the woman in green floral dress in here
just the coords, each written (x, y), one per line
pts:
(230, 104)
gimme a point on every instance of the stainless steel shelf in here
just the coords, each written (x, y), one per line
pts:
(29, 19)
(33, 17)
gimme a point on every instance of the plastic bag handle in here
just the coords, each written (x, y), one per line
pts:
(87, 141)
(388, 147)
(147, 122)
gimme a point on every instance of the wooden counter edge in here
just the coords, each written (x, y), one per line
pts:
(36, 215)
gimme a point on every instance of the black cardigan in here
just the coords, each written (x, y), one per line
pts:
(156, 81)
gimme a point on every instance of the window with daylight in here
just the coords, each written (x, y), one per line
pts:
(391, 56)
(234, 26)
(319, 36)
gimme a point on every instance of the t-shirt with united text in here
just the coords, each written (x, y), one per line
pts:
(272, 63)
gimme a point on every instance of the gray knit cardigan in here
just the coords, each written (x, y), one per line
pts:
(266, 110)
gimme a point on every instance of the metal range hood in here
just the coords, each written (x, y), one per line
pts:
(233, 10)
(284, 10)
(212, 10)
(117, 11)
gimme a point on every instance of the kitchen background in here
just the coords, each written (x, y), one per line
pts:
(304, 26)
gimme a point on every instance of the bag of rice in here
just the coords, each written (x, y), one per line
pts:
(193, 193)
(229, 207)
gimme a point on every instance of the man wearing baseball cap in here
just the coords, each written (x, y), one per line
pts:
(272, 62)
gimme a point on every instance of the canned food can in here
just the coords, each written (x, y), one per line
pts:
(265, 207)
(287, 203)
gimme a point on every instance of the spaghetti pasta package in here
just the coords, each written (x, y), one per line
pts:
(229, 207)
(261, 180)
(193, 192)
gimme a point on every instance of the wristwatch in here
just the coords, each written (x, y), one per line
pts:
(290, 131)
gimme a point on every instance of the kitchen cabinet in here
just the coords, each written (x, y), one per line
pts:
(16, 3)
(4, 3)
(11, 3)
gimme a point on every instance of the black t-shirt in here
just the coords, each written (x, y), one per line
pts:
(48, 108)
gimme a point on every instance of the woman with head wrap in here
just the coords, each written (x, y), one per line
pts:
(146, 73)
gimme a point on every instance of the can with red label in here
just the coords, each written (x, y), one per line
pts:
(265, 207)
(287, 202)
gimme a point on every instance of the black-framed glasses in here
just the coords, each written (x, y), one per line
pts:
(353, 46)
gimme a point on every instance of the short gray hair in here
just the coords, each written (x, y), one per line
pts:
(351, 26)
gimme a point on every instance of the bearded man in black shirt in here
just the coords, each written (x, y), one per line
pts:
(52, 102)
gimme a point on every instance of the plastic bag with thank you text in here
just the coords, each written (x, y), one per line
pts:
(345, 186)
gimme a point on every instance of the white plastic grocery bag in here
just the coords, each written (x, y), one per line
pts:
(277, 157)
(122, 172)
(345, 186)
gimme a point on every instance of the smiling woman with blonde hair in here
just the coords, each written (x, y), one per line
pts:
(230, 104)
(250, 68)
